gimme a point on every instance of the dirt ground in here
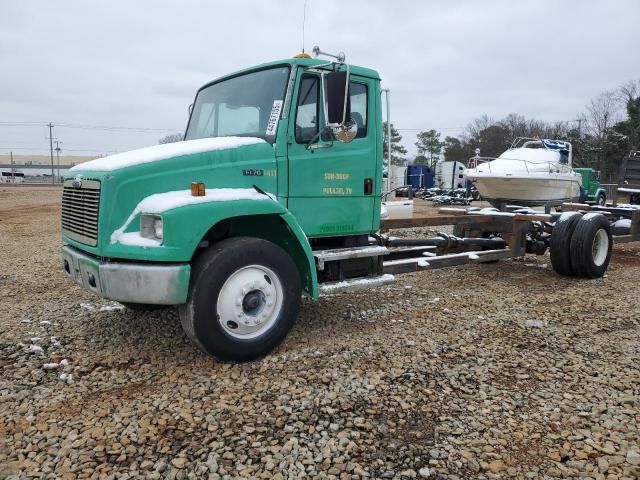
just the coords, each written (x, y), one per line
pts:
(484, 371)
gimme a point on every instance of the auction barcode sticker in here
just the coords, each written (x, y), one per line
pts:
(274, 117)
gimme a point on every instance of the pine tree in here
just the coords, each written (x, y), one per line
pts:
(397, 150)
(429, 145)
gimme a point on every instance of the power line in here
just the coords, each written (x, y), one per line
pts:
(104, 150)
(115, 129)
(89, 127)
(434, 128)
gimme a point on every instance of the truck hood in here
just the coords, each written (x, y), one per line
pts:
(157, 153)
(127, 179)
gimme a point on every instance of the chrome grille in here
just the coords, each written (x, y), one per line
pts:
(80, 206)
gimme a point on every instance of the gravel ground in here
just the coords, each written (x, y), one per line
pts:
(485, 371)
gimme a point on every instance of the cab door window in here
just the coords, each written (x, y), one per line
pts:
(358, 93)
(307, 111)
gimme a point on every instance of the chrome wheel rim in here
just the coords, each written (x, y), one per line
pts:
(250, 302)
(600, 247)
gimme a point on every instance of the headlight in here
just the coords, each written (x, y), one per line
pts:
(151, 226)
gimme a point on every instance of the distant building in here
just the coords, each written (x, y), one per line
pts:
(5, 159)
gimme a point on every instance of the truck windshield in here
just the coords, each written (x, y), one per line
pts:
(240, 106)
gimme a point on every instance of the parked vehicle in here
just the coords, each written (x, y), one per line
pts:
(12, 176)
(593, 191)
(276, 190)
(450, 175)
(630, 175)
(532, 172)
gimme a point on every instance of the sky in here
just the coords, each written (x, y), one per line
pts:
(137, 65)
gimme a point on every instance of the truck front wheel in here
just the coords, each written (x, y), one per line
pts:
(243, 300)
(601, 199)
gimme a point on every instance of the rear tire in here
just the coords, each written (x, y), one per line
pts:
(243, 300)
(560, 243)
(591, 245)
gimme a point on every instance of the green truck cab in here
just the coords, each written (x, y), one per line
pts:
(279, 163)
(594, 192)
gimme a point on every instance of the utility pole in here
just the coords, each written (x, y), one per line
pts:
(51, 150)
(388, 186)
(58, 157)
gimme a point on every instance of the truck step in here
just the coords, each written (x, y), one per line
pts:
(336, 254)
(353, 284)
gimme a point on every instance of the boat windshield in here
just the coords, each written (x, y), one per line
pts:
(539, 150)
(240, 106)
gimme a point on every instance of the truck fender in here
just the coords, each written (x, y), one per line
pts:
(278, 226)
(186, 227)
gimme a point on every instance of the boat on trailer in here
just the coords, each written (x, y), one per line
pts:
(532, 172)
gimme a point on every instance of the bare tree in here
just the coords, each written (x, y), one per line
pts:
(629, 91)
(472, 132)
(172, 138)
(602, 113)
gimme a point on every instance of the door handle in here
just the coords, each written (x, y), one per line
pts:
(368, 186)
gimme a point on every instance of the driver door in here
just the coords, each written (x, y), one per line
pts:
(331, 184)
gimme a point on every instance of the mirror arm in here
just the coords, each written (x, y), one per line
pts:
(346, 97)
(311, 146)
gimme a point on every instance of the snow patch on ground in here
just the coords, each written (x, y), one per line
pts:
(87, 306)
(535, 323)
(105, 308)
(111, 308)
(387, 277)
(163, 152)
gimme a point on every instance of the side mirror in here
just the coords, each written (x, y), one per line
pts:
(338, 99)
(339, 107)
(190, 109)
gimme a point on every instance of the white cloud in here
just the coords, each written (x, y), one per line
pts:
(139, 63)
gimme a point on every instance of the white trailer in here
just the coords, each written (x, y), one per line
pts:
(450, 175)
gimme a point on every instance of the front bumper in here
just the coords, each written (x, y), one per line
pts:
(150, 283)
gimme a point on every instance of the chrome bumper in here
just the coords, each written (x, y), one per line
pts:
(156, 284)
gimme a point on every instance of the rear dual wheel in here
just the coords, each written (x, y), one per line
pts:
(580, 245)
(243, 300)
(591, 245)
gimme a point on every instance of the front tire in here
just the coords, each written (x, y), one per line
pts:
(601, 200)
(243, 300)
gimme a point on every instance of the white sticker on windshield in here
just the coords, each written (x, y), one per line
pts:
(274, 117)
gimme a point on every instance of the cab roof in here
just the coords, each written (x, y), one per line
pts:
(297, 62)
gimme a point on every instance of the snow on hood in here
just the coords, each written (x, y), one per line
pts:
(162, 202)
(162, 152)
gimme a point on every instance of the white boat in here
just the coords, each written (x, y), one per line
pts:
(533, 172)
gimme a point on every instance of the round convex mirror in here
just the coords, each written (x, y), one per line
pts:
(347, 132)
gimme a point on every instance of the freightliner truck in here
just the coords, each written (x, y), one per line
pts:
(276, 191)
